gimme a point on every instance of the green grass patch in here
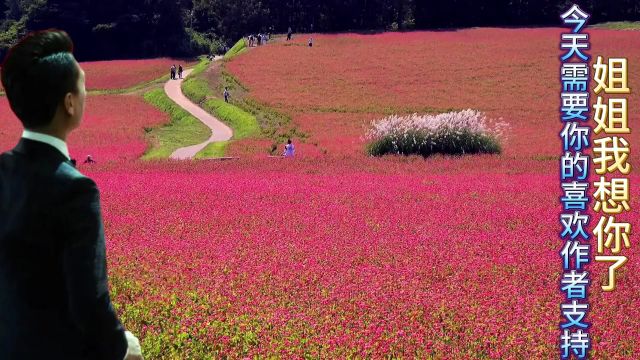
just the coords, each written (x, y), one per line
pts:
(243, 123)
(195, 87)
(618, 25)
(183, 130)
(213, 150)
(200, 67)
(238, 48)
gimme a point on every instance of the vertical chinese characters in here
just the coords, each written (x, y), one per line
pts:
(574, 172)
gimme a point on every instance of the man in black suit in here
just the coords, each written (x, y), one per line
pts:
(54, 298)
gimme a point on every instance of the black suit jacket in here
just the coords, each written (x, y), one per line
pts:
(54, 300)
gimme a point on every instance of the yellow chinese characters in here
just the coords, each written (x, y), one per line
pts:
(611, 77)
(610, 157)
(611, 154)
(612, 117)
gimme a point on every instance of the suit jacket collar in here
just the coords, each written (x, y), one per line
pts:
(59, 144)
(37, 149)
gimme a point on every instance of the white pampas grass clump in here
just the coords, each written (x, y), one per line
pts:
(457, 132)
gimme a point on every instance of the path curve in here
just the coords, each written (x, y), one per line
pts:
(219, 131)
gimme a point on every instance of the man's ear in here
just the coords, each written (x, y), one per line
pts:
(69, 105)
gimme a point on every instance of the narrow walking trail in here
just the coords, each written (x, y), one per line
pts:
(219, 131)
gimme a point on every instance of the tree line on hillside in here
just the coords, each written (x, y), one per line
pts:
(112, 29)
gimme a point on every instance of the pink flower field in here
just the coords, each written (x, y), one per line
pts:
(351, 79)
(112, 128)
(296, 264)
(336, 255)
(122, 74)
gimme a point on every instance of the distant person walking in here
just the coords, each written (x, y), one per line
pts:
(310, 42)
(289, 33)
(173, 72)
(226, 94)
(89, 160)
(180, 71)
(289, 150)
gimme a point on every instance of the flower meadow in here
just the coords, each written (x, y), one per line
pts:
(352, 79)
(122, 74)
(112, 129)
(295, 264)
(335, 254)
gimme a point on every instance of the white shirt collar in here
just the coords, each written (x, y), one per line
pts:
(47, 139)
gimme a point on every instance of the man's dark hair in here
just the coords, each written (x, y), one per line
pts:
(37, 73)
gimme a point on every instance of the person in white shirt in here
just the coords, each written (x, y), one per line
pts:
(289, 150)
(226, 94)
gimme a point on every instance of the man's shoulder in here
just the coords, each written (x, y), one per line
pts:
(55, 172)
(75, 186)
(68, 172)
(71, 177)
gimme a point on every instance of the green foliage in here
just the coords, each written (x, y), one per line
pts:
(150, 28)
(14, 25)
(183, 130)
(156, 317)
(200, 67)
(428, 143)
(8, 37)
(196, 87)
(619, 25)
(108, 29)
(213, 150)
(239, 47)
(201, 43)
(243, 123)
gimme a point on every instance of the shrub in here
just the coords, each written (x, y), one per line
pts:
(201, 43)
(239, 47)
(457, 132)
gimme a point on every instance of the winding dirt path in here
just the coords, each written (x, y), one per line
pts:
(219, 131)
